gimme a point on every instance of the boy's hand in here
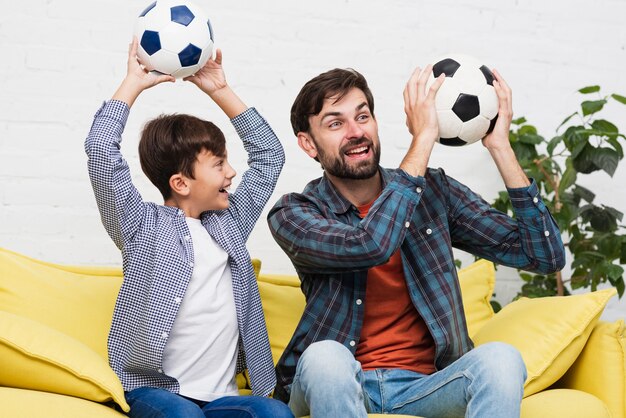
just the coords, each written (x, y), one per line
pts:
(210, 78)
(137, 78)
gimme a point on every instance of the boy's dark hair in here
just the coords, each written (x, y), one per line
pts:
(170, 144)
(311, 98)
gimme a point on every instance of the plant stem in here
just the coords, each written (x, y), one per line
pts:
(559, 284)
(554, 182)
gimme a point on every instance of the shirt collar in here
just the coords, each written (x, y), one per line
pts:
(335, 200)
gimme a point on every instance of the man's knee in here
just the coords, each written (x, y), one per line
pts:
(325, 357)
(502, 363)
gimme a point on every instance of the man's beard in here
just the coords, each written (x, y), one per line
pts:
(362, 170)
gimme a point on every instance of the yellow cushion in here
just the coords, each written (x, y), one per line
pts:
(35, 356)
(549, 332)
(22, 403)
(563, 403)
(600, 369)
(283, 304)
(77, 301)
(477, 282)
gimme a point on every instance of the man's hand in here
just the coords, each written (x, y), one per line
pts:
(419, 104)
(499, 137)
(421, 119)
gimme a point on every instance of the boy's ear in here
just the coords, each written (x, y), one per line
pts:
(306, 143)
(179, 184)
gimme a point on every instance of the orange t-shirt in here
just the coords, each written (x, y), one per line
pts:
(394, 335)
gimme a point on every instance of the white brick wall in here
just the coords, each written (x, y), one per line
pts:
(61, 58)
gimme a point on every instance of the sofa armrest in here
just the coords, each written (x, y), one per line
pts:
(600, 369)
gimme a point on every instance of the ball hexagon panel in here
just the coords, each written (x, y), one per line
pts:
(449, 124)
(168, 62)
(447, 94)
(475, 129)
(488, 102)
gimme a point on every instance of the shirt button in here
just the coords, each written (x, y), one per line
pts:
(429, 231)
(187, 238)
(191, 264)
(352, 343)
(164, 335)
(160, 371)
(178, 300)
(407, 224)
(359, 301)
(418, 189)
(546, 233)
(535, 200)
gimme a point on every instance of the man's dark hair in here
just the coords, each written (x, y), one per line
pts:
(310, 100)
(170, 144)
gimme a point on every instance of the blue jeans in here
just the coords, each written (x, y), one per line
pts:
(486, 382)
(148, 402)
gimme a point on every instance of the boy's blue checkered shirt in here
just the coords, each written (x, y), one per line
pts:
(158, 258)
(331, 248)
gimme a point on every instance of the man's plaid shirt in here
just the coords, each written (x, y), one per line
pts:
(331, 248)
(157, 252)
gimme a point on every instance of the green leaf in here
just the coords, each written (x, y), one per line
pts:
(554, 142)
(616, 146)
(569, 178)
(613, 271)
(606, 159)
(584, 193)
(524, 152)
(518, 121)
(566, 120)
(583, 161)
(592, 106)
(619, 285)
(618, 215)
(622, 257)
(600, 219)
(619, 98)
(528, 138)
(589, 89)
(604, 126)
(527, 129)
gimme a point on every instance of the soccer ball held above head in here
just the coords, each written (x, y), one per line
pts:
(175, 37)
(467, 104)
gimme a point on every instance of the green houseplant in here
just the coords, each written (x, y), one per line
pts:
(592, 233)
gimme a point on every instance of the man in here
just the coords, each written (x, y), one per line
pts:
(383, 329)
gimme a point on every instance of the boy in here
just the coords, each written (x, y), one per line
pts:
(188, 314)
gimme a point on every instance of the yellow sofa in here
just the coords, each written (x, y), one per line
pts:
(54, 322)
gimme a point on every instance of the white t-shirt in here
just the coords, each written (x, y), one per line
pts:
(201, 351)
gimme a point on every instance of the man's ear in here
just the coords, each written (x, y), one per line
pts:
(179, 184)
(307, 144)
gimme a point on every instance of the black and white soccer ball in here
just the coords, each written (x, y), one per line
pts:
(175, 37)
(467, 104)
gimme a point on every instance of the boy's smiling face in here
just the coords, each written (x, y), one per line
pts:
(212, 178)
